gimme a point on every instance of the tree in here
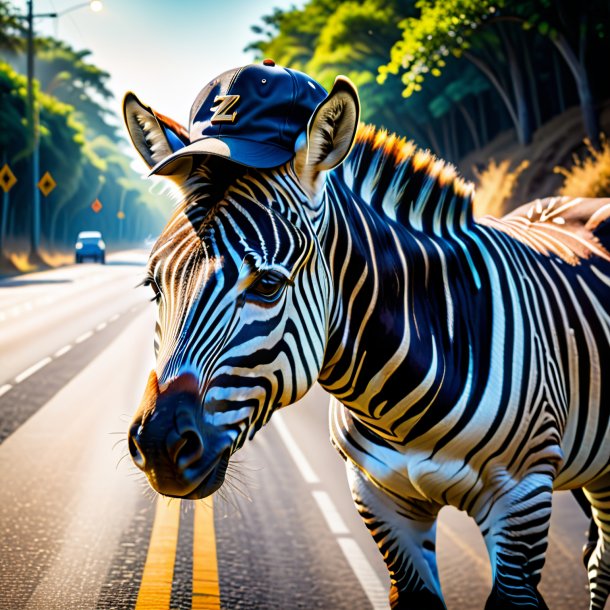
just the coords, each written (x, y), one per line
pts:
(12, 31)
(79, 145)
(458, 27)
(326, 38)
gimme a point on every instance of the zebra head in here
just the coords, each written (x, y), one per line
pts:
(242, 289)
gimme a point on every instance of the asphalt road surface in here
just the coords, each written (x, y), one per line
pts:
(80, 529)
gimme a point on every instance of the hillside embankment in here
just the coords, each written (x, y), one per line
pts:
(555, 144)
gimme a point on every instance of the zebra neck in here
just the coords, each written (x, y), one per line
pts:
(390, 320)
(407, 185)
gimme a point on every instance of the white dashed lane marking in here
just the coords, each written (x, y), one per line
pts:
(59, 353)
(334, 520)
(367, 577)
(30, 371)
(372, 585)
(15, 311)
(64, 350)
(297, 455)
(84, 337)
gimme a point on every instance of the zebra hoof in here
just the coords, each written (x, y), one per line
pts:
(415, 600)
(497, 602)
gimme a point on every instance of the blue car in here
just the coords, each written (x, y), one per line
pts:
(89, 244)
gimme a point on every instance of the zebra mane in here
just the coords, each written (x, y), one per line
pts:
(407, 184)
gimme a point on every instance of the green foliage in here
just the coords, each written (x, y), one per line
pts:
(66, 74)
(451, 74)
(326, 38)
(290, 36)
(78, 145)
(12, 109)
(427, 39)
(11, 28)
(451, 27)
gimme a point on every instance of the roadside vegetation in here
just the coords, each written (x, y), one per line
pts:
(496, 184)
(465, 78)
(588, 176)
(81, 146)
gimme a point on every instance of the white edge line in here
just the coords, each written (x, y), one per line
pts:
(297, 455)
(36, 367)
(5, 388)
(331, 514)
(64, 350)
(366, 575)
(372, 585)
(83, 337)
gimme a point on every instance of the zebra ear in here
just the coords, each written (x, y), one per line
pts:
(330, 132)
(153, 135)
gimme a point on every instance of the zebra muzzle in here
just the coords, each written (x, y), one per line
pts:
(166, 438)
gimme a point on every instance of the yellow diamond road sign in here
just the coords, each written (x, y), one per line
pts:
(46, 184)
(7, 178)
(96, 206)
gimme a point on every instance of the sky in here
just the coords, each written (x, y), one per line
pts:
(164, 51)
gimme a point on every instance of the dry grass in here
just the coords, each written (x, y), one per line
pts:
(57, 259)
(51, 259)
(20, 260)
(495, 185)
(588, 177)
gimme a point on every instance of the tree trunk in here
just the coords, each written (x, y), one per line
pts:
(396, 118)
(455, 142)
(578, 69)
(482, 118)
(559, 81)
(53, 238)
(3, 219)
(576, 64)
(532, 82)
(446, 150)
(524, 131)
(493, 79)
(470, 124)
(436, 148)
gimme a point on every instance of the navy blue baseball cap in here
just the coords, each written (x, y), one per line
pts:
(251, 115)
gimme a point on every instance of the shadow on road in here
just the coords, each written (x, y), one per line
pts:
(8, 282)
(126, 263)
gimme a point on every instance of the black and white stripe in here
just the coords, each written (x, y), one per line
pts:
(468, 361)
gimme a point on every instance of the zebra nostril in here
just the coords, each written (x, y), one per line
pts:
(189, 450)
(136, 454)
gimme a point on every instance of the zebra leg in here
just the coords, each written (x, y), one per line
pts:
(598, 567)
(515, 528)
(405, 532)
(592, 532)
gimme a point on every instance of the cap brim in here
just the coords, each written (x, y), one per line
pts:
(239, 150)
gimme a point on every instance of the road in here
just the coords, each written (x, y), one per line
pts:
(81, 530)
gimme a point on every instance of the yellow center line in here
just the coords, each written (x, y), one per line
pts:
(206, 590)
(156, 587)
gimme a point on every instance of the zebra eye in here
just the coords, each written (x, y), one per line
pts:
(151, 282)
(269, 286)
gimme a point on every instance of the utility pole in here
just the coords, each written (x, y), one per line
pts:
(33, 124)
(32, 119)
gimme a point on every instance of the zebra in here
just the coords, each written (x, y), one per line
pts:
(467, 359)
